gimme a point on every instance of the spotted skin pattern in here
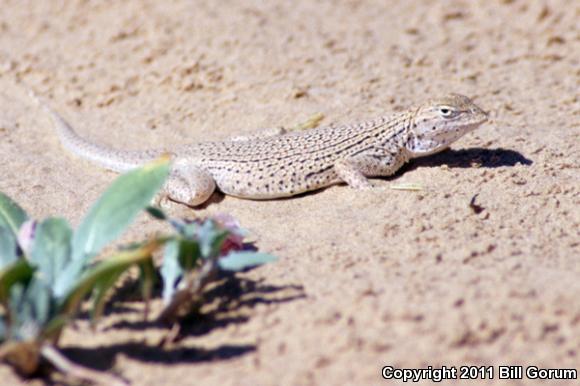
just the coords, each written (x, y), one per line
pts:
(291, 163)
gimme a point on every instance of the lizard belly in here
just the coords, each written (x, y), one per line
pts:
(258, 186)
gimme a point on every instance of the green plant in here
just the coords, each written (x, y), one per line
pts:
(195, 254)
(47, 270)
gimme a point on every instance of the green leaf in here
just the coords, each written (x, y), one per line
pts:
(237, 261)
(30, 307)
(117, 208)
(188, 230)
(7, 247)
(19, 271)
(51, 330)
(23, 323)
(206, 235)
(171, 269)
(101, 289)
(189, 254)
(3, 330)
(11, 214)
(39, 295)
(147, 278)
(67, 278)
(218, 242)
(156, 212)
(99, 276)
(210, 238)
(51, 250)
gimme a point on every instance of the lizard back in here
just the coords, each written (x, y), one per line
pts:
(292, 163)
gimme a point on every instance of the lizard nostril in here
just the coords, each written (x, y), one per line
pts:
(478, 111)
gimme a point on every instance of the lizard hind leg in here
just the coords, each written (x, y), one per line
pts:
(189, 185)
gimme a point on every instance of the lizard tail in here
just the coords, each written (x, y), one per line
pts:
(106, 157)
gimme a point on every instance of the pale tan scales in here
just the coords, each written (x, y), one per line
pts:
(292, 163)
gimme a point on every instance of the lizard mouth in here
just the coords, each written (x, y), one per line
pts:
(449, 136)
(426, 145)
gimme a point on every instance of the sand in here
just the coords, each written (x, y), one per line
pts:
(365, 279)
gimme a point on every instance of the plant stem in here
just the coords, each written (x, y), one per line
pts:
(195, 283)
(68, 368)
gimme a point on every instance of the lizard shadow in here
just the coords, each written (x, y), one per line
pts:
(228, 301)
(103, 358)
(216, 197)
(224, 304)
(465, 158)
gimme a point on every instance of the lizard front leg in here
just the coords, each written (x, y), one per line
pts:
(350, 172)
(188, 184)
(355, 170)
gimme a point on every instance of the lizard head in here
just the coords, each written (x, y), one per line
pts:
(440, 122)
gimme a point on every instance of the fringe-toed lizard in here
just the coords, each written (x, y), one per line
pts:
(291, 163)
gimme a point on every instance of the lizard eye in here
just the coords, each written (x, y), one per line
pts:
(447, 112)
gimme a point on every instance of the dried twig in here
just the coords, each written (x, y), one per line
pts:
(70, 369)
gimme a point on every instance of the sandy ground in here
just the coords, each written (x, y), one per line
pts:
(365, 279)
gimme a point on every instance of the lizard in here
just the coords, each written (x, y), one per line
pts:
(289, 163)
